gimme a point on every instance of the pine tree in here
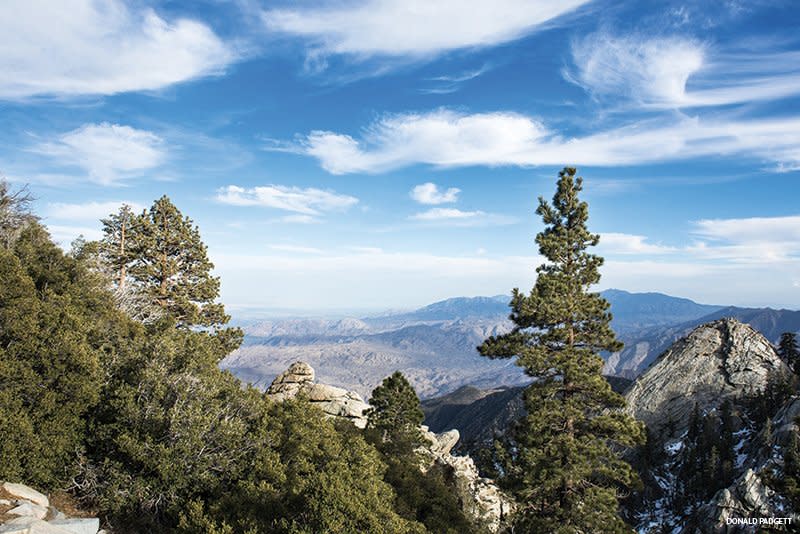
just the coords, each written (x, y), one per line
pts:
(789, 351)
(566, 469)
(395, 412)
(119, 231)
(171, 264)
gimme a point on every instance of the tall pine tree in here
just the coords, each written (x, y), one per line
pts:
(160, 268)
(563, 463)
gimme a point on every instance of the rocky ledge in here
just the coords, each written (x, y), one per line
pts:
(24, 510)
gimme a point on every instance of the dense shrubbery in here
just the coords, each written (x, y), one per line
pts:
(53, 324)
(137, 419)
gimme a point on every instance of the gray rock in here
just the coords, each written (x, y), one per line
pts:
(289, 383)
(298, 380)
(31, 525)
(78, 525)
(24, 492)
(441, 443)
(747, 497)
(717, 361)
(29, 509)
(481, 499)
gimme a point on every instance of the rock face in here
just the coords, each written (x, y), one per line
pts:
(298, 379)
(716, 361)
(749, 496)
(480, 498)
(32, 513)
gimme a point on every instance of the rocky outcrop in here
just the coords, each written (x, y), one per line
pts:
(749, 496)
(717, 361)
(298, 380)
(30, 512)
(480, 498)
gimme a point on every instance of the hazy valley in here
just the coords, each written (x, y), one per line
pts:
(434, 346)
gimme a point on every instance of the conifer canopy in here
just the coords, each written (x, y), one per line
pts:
(562, 459)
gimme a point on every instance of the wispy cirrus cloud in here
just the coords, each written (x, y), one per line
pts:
(429, 193)
(727, 242)
(108, 153)
(649, 70)
(83, 47)
(416, 28)
(751, 229)
(306, 202)
(446, 138)
(457, 217)
(680, 72)
(446, 84)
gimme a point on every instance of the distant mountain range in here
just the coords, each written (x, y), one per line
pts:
(435, 345)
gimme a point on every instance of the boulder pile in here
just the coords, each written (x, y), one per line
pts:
(298, 379)
(24, 510)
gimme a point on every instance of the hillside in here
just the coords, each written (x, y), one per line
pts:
(481, 414)
(711, 454)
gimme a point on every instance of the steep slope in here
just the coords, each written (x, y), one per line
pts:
(717, 361)
(706, 402)
(481, 414)
(643, 346)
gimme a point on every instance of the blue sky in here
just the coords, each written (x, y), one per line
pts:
(369, 154)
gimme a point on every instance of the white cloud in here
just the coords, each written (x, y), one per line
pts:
(443, 85)
(88, 211)
(725, 243)
(678, 72)
(437, 214)
(85, 47)
(440, 137)
(107, 152)
(64, 235)
(618, 243)
(751, 230)
(652, 71)
(446, 138)
(310, 201)
(429, 193)
(758, 240)
(456, 217)
(414, 27)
